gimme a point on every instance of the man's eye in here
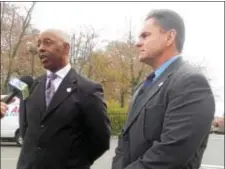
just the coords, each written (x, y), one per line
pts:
(145, 35)
(47, 42)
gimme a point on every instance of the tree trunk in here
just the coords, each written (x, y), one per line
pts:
(122, 99)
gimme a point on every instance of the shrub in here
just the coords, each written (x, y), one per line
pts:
(117, 116)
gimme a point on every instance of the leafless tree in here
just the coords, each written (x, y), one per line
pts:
(13, 28)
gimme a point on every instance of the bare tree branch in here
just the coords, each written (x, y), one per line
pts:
(10, 33)
(12, 55)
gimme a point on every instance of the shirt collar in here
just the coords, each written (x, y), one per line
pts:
(164, 66)
(62, 72)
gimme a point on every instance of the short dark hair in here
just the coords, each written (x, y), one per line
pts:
(167, 20)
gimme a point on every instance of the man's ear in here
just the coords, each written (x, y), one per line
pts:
(171, 36)
(66, 48)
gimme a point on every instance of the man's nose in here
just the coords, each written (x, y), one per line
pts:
(138, 44)
(41, 48)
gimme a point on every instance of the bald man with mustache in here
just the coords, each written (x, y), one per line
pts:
(64, 124)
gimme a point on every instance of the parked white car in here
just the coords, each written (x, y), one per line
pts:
(10, 123)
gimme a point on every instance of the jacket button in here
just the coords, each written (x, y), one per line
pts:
(38, 148)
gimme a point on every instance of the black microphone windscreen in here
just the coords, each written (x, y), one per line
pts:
(28, 80)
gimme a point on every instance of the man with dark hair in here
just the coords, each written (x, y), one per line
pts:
(171, 112)
(168, 20)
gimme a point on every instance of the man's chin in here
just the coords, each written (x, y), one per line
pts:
(142, 58)
(46, 66)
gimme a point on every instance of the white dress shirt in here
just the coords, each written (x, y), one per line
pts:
(61, 74)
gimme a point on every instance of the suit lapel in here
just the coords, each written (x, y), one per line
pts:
(38, 93)
(141, 100)
(65, 89)
(150, 91)
(135, 96)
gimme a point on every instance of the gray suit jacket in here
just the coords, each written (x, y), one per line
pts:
(168, 123)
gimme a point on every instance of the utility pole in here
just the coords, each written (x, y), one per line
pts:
(33, 52)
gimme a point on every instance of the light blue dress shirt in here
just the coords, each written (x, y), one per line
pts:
(164, 66)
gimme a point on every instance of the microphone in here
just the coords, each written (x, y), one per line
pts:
(19, 87)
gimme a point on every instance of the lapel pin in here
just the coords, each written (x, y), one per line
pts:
(68, 90)
(160, 84)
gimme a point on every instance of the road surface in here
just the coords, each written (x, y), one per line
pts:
(213, 157)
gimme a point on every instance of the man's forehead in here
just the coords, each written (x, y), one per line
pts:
(149, 25)
(48, 35)
(56, 35)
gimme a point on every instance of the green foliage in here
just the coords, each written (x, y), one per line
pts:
(117, 116)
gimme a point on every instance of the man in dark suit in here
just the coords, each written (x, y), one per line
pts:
(64, 122)
(171, 112)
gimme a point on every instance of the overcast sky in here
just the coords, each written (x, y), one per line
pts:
(204, 28)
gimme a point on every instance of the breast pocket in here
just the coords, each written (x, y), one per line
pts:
(153, 121)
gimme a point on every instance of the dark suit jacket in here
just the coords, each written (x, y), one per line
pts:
(71, 133)
(168, 124)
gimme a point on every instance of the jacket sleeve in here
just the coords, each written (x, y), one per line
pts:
(187, 122)
(117, 162)
(22, 113)
(97, 123)
(22, 118)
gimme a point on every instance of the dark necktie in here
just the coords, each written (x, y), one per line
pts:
(148, 80)
(50, 89)
(146, 83)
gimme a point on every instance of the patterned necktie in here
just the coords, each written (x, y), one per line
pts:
(50, 89)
